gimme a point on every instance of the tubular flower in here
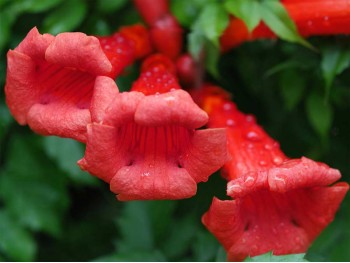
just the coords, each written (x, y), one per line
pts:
(167, 36)
(146, 146)
(279, 204)
(124, 46)
(312, 18)
(50, 80)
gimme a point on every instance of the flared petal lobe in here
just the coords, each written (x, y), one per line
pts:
(263, 221)
(50, 81)
(279, 204)
(146, 150)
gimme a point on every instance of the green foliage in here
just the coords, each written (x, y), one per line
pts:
(247, 10)
(15, 241)
(277, 19)
(320, 114)
(335, 60)
(33, 192)
(269, 257)
(67, 17)
(66, 152)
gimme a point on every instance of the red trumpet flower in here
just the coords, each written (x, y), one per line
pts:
(280, 204)
(50, 80)
(125, 46)
(312, 18)
(145, 144)
(166, 33)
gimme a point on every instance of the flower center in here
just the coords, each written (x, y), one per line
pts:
(154, 144)
(64, 85)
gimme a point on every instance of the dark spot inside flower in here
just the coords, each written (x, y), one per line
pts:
(247, 226)
(295, 223)
(130, 163)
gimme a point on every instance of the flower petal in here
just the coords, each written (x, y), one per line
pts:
(206, 155)
(266, 221)
(162, 181)
(77, 50)
(175, 107)
(105, 90)
(34, 44)
(19, 90)
(60, 120)
(102, 157)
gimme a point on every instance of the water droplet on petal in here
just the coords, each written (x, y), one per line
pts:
(230, 122)
(253, 136)
(228, 106)
(262, 163)
(309, 23)
(250, 118)
(268, 146)
(145, 174)
(277, 160)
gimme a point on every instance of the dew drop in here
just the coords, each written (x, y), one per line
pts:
(277, 160)
(268, 146)
(151, 165)
(172, 89)
(228, 106)
(262, 163)
(157, 93)
(250, 146)
(250, 118)
(326, 18)
(253, 136)
(309, 23)
(230, 122)
(145, 174)
(148, 74)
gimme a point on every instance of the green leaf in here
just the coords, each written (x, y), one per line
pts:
(36, 6)
(212, 56)
(161, 215)
(196, 40)
(140, 256)
(66, 153)
(269, 257)
(213, 21)
(320, 114)
(181, 235)
(292, 88)
(66, 18)
(278, 20)
(5, 120)
(8, 17)
(205, 246)
(135, 228)
(221, 255)
(334, 61)
(108, 6)
(186, 11)
(32, 189)
(15, 242)
(247, 10)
